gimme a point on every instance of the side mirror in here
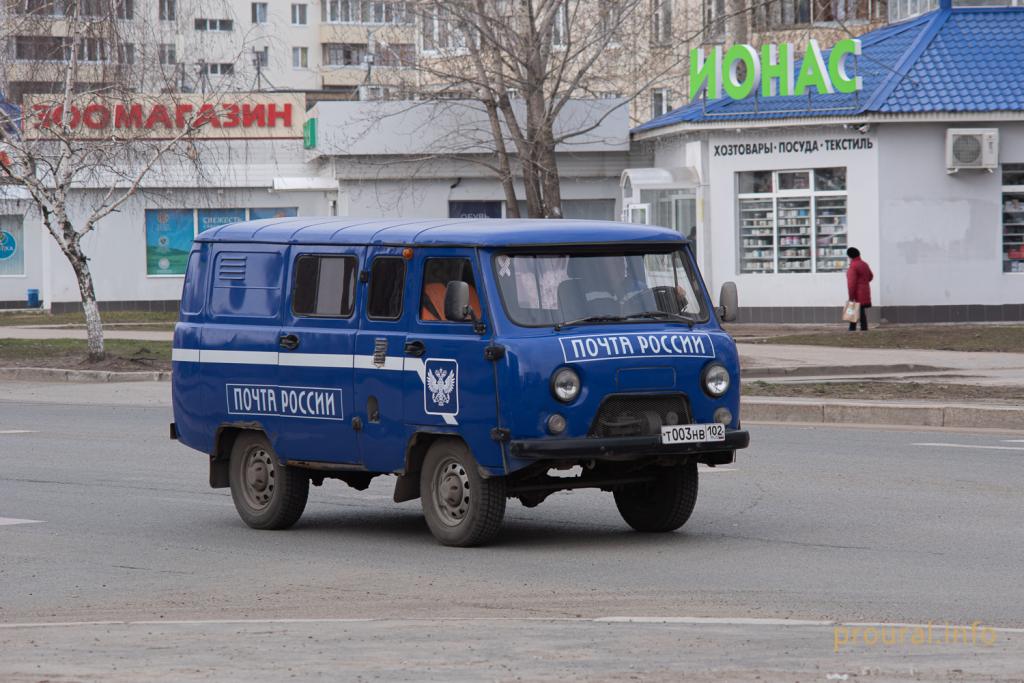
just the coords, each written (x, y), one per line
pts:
(456, 302)
(728, 302)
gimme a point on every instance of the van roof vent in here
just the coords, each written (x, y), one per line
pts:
(231, 268)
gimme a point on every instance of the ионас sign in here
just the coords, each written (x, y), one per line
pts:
(773, 69)
(274, 116)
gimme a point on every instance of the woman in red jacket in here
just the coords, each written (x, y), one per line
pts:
(858, 278)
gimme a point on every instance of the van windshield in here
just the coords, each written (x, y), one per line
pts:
(552, 289)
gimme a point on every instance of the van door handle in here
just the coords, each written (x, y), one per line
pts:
(289, 341)
(415, 348)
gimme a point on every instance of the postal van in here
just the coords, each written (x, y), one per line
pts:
(473, 360)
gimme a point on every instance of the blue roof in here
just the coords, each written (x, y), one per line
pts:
(436, 232)
(961, 59)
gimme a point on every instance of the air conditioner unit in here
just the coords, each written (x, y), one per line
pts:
(972, 148)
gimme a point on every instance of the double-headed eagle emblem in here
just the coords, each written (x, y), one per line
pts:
(441, 383)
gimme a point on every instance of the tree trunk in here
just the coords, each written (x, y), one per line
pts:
(507, 180)
(550, 183)
(91, 310)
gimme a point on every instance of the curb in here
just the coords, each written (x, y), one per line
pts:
(837, 370)
(1009, 418)
(59, 375)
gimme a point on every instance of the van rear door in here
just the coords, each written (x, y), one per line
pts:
(317, 343)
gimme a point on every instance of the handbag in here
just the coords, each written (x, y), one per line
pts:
(851, 312)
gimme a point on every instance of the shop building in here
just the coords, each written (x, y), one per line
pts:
(138, 253)
(922, 169)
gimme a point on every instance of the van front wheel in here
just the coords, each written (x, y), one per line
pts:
(267, 494)
(664, 504)
(461, 507)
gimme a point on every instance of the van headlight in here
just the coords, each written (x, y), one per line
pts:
(565, 385)
(716, 380)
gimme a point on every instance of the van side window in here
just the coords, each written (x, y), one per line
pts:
(324, 285)
(437, 273)
(387, 283)
(192, 292)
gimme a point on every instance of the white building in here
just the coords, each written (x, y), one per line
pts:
(923, 171)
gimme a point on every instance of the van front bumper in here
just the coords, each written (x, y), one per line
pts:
(623, 448)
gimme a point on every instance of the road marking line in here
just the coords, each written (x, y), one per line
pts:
(16, 431)
(1013, 440)
(704, 469)
(10, 521)
(964, 445)
(685, 621)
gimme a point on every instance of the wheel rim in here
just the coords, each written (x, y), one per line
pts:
(451, 492)
(258, 481)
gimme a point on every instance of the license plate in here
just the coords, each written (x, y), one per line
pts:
(692, 433)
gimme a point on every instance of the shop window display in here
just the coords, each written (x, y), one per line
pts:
(792, 221)
(1013, 218)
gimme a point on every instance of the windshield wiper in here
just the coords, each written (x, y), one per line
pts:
(591, 319)
(662, 315)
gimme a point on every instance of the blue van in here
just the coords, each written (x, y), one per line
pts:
(474, 360)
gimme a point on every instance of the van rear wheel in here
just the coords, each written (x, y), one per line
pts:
(267, 494)
(664, 504)
(461, 507)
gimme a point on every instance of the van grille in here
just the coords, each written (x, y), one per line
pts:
(639, 414)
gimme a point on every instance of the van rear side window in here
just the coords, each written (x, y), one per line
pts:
(324, 286)
(387, 283)
(192, 292)
(246, 284)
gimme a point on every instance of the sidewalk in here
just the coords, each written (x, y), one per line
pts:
(765, 362)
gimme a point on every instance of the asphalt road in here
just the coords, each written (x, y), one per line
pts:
(103, 519)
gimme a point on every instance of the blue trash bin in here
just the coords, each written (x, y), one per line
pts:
(33, 299)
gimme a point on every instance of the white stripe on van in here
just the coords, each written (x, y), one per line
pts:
(316, 360)
(238, 357)
(304, 360)
(185, 355)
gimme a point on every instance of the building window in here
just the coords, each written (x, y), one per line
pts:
(325, 286)
(440, 33)
(904, 9)
(126, 53)
(300, 57)
(39, 48)
(714, 20)
(92, 50)
(259, 12)
(1013, 218)
(560, 25)
(397, 54)
(12, 246)
(215, 69)
(792, 221)
(660, 102)
(344, 54)
(166, 53)
(261, 58)
(363, 12)
(168, 10)
(125, 9)
(298, 15)
(214, 24)
(661, 22)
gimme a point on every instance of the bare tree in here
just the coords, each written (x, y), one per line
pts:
(93, 90)
(524, 61)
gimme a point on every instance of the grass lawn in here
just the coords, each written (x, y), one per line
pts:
(935, 337)
(149, 319)
(122, 354)
(888, 391)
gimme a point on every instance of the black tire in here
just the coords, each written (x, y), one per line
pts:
(664, 504)
(267, 494)
(461, 507)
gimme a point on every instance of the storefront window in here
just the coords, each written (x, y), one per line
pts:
(792, 229)
(1013, 218)
(12, 246)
